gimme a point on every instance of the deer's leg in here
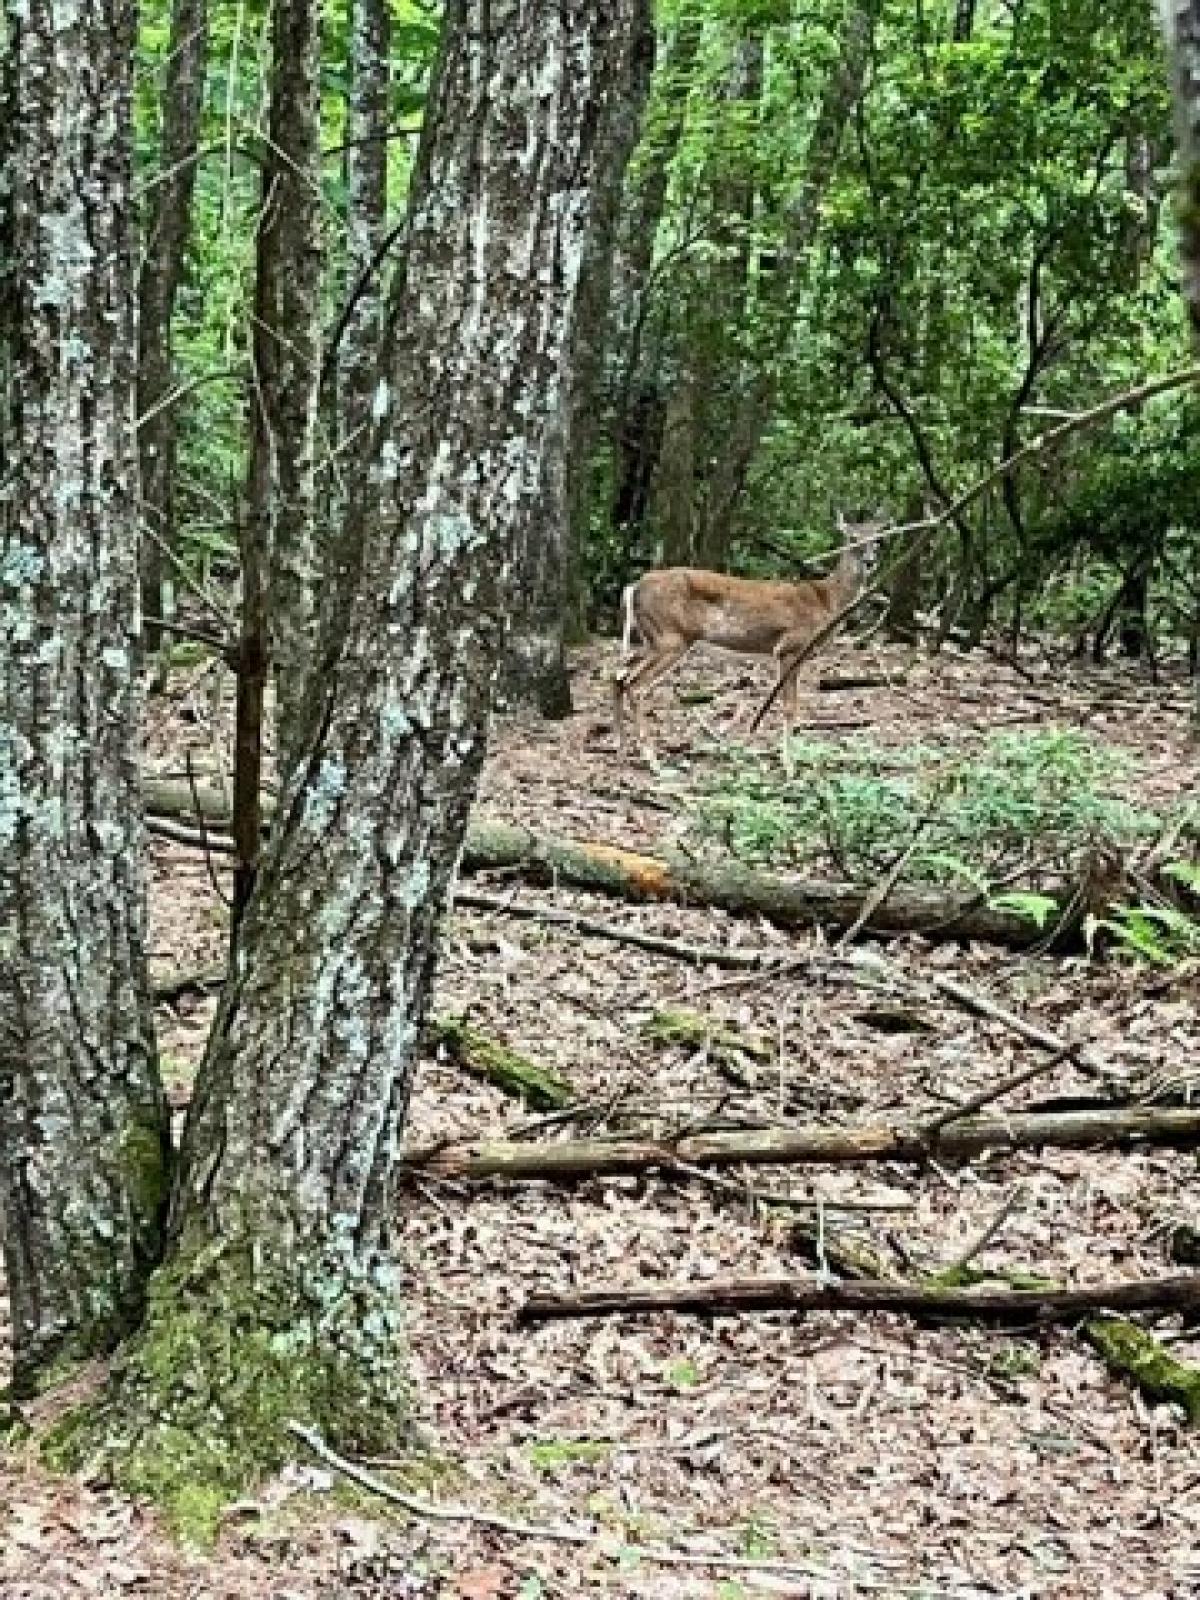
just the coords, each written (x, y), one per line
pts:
(788, 659)
(656, 662)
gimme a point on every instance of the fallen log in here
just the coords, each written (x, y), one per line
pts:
(730, 886)
(590, 1158)
(481, 1056)
(674, 877)
(1134, 1353)
(725, 1297)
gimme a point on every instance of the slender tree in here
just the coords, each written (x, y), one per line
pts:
(1181, 28)
(367, 127)
(83, 1124)
(280, 1299)
(277, 530)
(550, 545)
(168, 218)
(286, 345)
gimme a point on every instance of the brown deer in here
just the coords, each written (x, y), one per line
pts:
(674, 608)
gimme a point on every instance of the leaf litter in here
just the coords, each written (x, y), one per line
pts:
(874, 1457)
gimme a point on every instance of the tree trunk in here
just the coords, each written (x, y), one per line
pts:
(276, 533)
(747, 418)
(1181, 26)
(167, 223)
(287, 350)
(674, 503)
(535, 667)
(84, 1153)
(283, 1207)
(367, 121)
(635, 421)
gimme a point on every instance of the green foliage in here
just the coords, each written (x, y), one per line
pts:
(990, 223)
(1162, 935)
(1039, 798)
(212, 319)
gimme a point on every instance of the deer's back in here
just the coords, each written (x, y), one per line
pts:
(749, 615)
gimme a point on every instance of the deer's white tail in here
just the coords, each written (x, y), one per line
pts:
(630, 624)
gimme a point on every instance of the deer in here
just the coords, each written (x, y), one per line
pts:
(673, 609)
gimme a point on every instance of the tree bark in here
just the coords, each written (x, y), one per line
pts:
(276, 534)
(856, 1146)
(168, 221)
(283, 1208)
(1181, 27)
(535, 667)
(286, 345)
(84, 1154)
(731, 1297)
(367, 122)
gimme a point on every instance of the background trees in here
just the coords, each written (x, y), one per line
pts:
(864, 251)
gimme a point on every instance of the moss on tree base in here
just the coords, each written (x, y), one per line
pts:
(235, 1345)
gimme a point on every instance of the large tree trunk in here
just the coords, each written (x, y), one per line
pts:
(281, 1215)
(535, 668)
(167, 222)
(286, 349)
(83, 1124)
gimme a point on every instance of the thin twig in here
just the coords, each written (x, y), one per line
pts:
(532, 1530)
(217, 887)
(192, 838)
(994, 1091)
(980, 1243)
(678, 949)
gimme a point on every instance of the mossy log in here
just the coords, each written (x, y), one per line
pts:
(730, 886)
(572, 1159)
(509, 1071)
(728, 1048)
(1135, 1353)
(1034, 1307)
(725, 885)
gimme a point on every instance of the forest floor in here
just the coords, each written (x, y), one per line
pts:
(827, 1456)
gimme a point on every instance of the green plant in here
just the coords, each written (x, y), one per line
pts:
(1040, 798)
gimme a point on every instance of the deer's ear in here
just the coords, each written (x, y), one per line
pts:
(841, 522)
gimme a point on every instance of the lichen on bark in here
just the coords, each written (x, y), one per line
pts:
(279, 1299)
(84, 1150)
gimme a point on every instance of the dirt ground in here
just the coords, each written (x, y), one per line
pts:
(769, 1455)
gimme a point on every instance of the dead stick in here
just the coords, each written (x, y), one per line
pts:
(193, 838)
(657, 1554)
(981, 1240)
(1036, 1307)
(659, 944)
(994, 1091)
